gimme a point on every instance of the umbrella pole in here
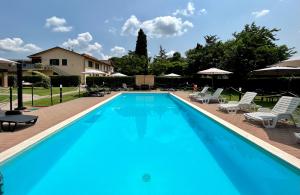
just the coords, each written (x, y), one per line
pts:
(212, 82)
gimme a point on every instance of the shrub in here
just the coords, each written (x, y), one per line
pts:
(66, 81)
(113, 82)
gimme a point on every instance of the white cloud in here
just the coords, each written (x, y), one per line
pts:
(202, 12)
(17, 45)
(188, 11)
(170, 53)
(118, 51)
(131, 26)
(83, 43)
(261, 13)
(57, 24)
(112, 30)
(164, 26)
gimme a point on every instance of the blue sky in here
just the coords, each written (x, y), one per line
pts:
(108, 28)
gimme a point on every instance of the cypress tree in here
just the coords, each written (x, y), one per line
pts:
(141, 44)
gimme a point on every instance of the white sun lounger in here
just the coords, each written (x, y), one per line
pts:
(243, 104)
(199, 94)
(283, 109)
(215, 97)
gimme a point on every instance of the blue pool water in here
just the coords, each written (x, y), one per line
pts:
(147, 144)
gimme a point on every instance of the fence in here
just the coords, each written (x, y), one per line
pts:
(38, 96)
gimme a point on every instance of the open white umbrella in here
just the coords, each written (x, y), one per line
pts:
(292, 62)
(172, 75)
(212, 72)
(118, 75)
(90, 71)
(6, 61)
(277, 71)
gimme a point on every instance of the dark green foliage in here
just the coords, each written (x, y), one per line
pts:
(253, 48)
(130, 64)
(141, 49)
(66, 81)
(141, 44)
(113, 82)
(205, 56)
(163, 65)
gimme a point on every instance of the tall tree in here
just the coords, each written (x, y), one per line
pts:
(141, 48)
(253, 48)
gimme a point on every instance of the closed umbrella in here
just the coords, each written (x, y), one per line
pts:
(212, 72)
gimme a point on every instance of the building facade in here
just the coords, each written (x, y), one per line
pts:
(60, 61)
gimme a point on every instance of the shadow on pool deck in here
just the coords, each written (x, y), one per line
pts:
(281, 137)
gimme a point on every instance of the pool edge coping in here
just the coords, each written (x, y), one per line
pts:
(288, 158)
(44, 134)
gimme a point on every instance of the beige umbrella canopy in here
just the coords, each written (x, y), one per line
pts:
(6, 61)
(172, 75)
(212, 72)
(292, 62)
(118, 74)
(93, 72)
(277, 71)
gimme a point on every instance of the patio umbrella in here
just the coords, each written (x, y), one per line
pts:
(6, 61)
(277, 71)
(172, 75)
(212, 72)
(292, 62)
(117, 74)
(92, 72)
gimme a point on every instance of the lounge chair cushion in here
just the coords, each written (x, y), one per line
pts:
(15, 119)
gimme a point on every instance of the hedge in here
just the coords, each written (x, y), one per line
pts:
(31, 79)
(268, 85)
(66, 81)
(113, 82)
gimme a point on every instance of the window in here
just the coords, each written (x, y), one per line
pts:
(36, 60)
(97, 66)
(54, 62)
(90, 64)
(64, 62)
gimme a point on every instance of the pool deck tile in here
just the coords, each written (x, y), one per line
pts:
(48, 117)
(281, 137)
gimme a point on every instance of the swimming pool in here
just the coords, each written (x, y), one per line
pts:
(147, 144)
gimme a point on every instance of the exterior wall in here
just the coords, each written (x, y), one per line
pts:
(75, 62)
(75, 66)
(102, 66)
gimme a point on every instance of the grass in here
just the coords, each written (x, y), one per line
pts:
(233, 96)
(43, 92)
(5, 98)
(56, 100)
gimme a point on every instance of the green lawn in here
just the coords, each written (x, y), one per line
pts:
(56, 100)
(42, 91)
(5, 98)
(233, 96)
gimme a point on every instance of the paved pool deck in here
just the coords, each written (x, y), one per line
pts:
(48, 117)
(281, 138)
